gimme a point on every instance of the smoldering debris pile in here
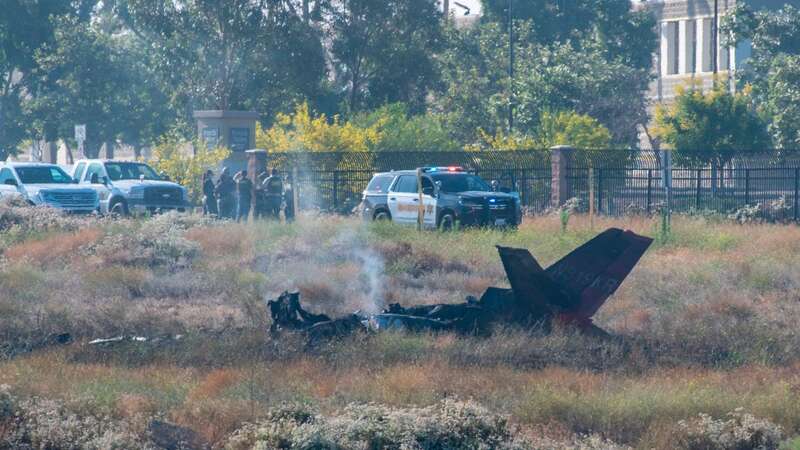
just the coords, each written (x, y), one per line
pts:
(570, 292)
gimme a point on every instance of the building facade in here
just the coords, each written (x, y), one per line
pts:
(690, 50)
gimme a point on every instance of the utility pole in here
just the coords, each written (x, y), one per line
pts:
(510, 66)
(446, 9)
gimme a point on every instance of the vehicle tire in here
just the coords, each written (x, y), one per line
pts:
(118, 209)
(382, 215)
(447, 222)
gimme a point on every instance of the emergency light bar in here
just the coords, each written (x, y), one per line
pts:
(443, 169)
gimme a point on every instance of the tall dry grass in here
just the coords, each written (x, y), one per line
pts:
(706, 324)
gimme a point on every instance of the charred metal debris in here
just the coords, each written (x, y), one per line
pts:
(569, 292)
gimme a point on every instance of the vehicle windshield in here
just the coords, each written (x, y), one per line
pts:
(130, 171)
(43, 175)
(461, 182)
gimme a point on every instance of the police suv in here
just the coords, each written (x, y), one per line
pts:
(450, 195)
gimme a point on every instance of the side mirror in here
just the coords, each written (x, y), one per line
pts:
(11, 182)
(428, 190)
(94, 179)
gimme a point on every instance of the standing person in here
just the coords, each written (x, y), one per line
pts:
(209, 202)
(261, 198)
(244, 195)
(288, 210)
(273, 190)
(225, 194)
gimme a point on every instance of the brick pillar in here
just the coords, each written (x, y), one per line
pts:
(559, 188)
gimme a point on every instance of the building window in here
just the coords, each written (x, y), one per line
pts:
(673, 47)
(691, 47)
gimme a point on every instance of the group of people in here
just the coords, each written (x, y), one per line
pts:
(232, 197)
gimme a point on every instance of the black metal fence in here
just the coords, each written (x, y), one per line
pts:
(622, 182)
(335, 181)
(635, 184)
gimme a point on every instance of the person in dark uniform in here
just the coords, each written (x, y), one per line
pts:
(224, 191)
(261, 199)
(273, 190)
(209, 201)
(244, 195)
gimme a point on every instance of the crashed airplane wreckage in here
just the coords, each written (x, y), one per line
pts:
(569, 292)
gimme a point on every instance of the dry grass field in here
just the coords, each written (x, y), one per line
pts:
(707, 355)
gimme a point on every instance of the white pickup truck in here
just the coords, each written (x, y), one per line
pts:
(129, 187)
(47, 185)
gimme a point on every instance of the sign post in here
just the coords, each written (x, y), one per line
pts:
(80, 136)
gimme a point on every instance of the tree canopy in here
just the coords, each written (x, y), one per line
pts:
(710, 126)
(773, 70)
(135, 70)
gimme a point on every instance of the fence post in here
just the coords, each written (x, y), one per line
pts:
(559, 187)
(295, 190)
(796, 191)
(600, 191)
(747, 186)
(697, 190)
(335, 190)
(649, 189)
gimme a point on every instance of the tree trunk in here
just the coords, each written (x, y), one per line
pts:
(109, 148)
(137, 151)
(70, 158)
(50, 152)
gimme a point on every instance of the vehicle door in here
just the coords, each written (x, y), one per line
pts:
(429, 200)
(77, 172)
(103, 191)
(9, 184)
(402, 198)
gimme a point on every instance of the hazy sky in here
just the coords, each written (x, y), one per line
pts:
(474, 5)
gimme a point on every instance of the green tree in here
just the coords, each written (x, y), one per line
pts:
(626, 34)
(25, 27)
(551, 77)
(400, 131)
(81, 78)
(710, 127)
(228, 54)
(383, 51)
(772, 70)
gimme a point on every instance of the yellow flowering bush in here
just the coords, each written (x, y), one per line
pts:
(301, 131)
(172, 156)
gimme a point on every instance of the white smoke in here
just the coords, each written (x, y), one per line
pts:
(371, 279)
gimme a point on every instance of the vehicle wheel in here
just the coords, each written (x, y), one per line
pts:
(118, 209)
(381, 216)
(447, 222)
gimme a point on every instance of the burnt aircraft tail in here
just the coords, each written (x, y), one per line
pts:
(575, 287)
(594, 271)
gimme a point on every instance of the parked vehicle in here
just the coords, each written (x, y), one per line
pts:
(450, 195)
(129, 187)
(47, 185)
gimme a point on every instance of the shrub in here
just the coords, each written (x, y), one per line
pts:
(159, 242)
(741, 431)
(170, 157)
(450, 424)
(46, 424)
